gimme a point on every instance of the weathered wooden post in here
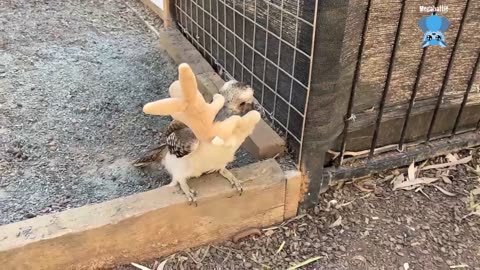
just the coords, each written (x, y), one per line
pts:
(337, 38)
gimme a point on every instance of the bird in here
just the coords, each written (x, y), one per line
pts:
(185, 157)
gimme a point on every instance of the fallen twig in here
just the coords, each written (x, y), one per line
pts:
(305, 263)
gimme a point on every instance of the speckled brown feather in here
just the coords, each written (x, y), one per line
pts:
(178, 139)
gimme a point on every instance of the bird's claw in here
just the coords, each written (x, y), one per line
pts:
(238, 187)
(192, 199)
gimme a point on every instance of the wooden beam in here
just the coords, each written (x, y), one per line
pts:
(360, 136)
(146, 225)
(293, 193)
(264, 142)
(163, 8)
(336, 44)
(390, 160)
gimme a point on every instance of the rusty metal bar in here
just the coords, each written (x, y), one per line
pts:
(465, 97)
(349, 116)
(386, 88)
(447, 73)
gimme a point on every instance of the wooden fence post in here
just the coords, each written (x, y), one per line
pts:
(338, 32)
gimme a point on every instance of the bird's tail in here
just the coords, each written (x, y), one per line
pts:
(151, 156)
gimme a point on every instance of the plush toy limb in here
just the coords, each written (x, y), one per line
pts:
(165, 106)
(217, 103)
(188, 82)
(225, 128)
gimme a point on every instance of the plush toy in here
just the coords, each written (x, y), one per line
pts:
(186, 104)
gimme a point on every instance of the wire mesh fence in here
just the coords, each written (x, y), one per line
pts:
(267, 44)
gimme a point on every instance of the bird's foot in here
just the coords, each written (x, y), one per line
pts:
(191, 194)
(233, 180)
(192, 197)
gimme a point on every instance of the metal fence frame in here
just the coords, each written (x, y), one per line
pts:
(187, 24)
(335, 90)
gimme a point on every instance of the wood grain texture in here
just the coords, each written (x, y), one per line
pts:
(394, 159)
(146, 225)
(437, 58)
(293, 193)
(360, 132)
(329, 93)
(467, 50)
(408, 54)
(380, 36)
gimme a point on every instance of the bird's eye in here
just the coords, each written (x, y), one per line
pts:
(429, 37)
(438, 38)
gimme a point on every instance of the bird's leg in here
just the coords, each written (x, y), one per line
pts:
(189, 193)
(232, 179)
(173, 183)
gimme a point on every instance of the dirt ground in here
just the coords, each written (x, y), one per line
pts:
(364, 224)
(74, 76)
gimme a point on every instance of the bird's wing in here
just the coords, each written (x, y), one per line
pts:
(155, 154)
(178, 140)
(182, 142)
(174, 126)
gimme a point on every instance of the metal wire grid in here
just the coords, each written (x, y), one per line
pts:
(212, 25)
(429, 137)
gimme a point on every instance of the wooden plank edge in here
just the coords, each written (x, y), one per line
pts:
(391, 160)
(146, 225)
(165, 14)
(264, 142)
(293, 193)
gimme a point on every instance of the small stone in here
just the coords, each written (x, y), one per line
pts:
(342, 248)
(29, 215)
(83, 109)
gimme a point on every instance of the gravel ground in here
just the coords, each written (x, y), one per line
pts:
(74, 76)
(364, 224)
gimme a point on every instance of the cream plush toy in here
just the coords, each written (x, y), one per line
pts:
(187, 105)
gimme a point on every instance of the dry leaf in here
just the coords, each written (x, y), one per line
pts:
(448, 164)
(140, 266)
(446, 180)
(416, 182)
(451, 158)
(269, 233)
(475, 191)
(305, 263)
(411, 171)
(448, 193)
(475, 171)
(161, 266)
(398, 179)
(337, 222)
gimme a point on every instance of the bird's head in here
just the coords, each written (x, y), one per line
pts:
(238, 97)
